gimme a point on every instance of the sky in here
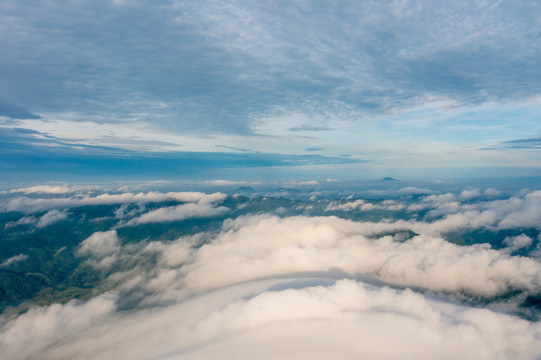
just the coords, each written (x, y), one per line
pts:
(296, 90)
(282, 179)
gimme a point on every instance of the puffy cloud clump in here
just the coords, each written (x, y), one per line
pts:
(360, 204)
(51, 217)
(14, 259)
(26, 204)
(26, 220)
(265, 246)
(466, 195)
(45, 189)
(490, 192)
(515, 243)
(179, 212)
(100, 244)
(102, 248)
(351, 205)
(41, 327)
(345, 320)
(520, 211)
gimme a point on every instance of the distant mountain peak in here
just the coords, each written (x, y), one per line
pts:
(389, 179)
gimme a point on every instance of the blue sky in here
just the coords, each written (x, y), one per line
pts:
(306, 88)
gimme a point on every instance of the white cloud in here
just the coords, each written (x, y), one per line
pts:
(263, 246)
(229, 183)
(491, 192)
(301, 183)
(348, 206)
(390, 205)
(100, 244)
(179, 212)
(41, 327)
(121, 211)
(522, 210)
(362, 205)
(515, 243)
(45, 220)
(14, 259)
(30, 204)
(45, 189)
(174, 253)
(347, 320)
(368, 323)
(469, 194)
(26, 220)
(51, 217)
(298, 287)
(436, 201)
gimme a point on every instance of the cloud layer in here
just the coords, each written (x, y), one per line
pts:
(179, 212)
(26, 204)
(316, 286)
(345, 320)
(255, 78)
(416, 51)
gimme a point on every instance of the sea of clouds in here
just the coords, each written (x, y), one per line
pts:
(269, 284)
